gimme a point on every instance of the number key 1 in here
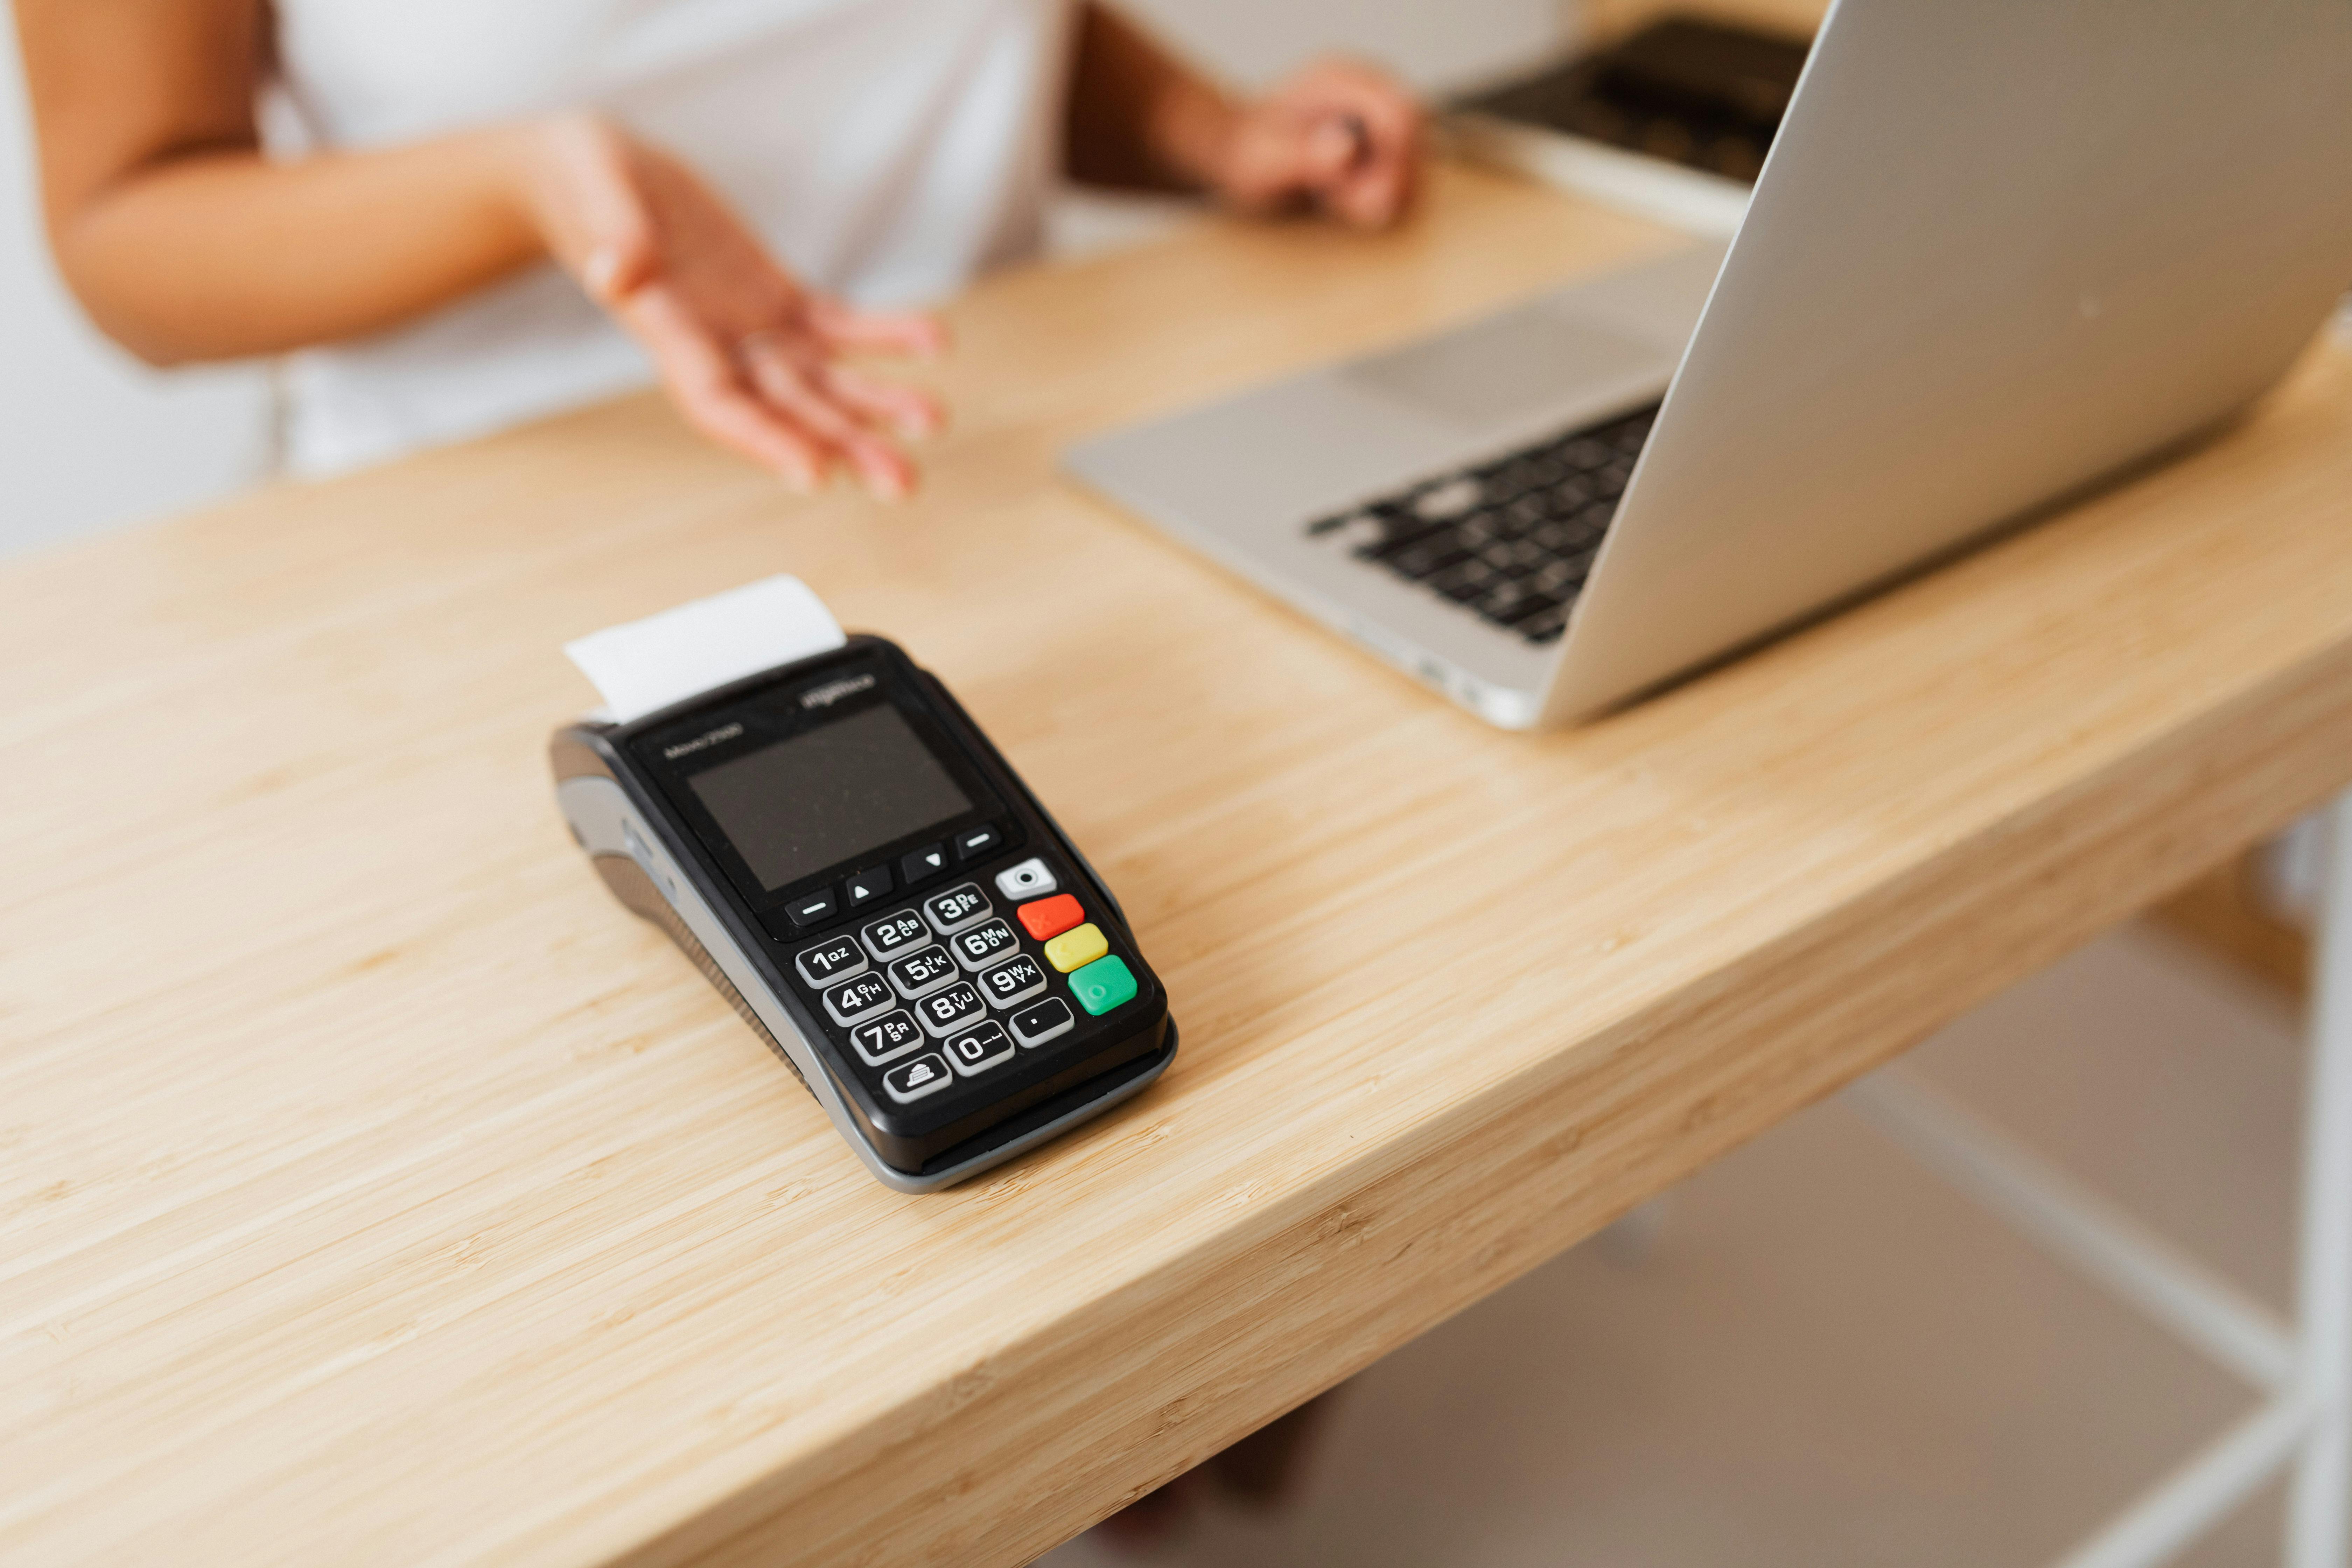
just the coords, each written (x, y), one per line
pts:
(836, 958)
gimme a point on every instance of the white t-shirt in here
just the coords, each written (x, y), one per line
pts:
(888, 150)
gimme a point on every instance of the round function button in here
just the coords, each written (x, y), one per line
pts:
(1032, 879)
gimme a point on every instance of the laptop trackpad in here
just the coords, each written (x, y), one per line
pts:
(1496, 371)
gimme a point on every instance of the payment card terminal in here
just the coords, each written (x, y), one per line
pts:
(849, 860)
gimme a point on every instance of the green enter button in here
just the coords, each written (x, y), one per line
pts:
(1103, 985)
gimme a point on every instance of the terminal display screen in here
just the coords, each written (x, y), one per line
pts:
(824, 797)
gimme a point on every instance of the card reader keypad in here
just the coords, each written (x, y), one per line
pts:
(954, 987)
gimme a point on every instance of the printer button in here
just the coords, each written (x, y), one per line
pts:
(909, 1082)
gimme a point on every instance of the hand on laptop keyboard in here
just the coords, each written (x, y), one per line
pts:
(1512, 539)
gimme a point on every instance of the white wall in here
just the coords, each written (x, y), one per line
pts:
(88, 439)
(1433, 44)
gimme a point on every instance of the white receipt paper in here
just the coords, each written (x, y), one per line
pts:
(642, 665)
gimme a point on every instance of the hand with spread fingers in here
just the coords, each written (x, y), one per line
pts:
(754, 360)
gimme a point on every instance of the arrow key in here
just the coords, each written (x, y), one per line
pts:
(929, 861)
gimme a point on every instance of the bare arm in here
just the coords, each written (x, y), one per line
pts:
(1338, 136)
(1139, 118)
(183, 243)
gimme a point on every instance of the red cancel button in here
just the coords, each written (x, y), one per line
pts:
(1051, 917)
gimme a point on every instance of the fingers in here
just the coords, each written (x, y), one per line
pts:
(804, 394)
(778, 399)
(1343, 137)
(913, 413)
(848, 330)
(703, 380)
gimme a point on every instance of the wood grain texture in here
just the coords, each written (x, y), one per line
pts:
(374, 1190)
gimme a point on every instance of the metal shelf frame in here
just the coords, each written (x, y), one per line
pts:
(2303, 1369)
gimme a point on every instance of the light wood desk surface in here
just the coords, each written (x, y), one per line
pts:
(372, 1189)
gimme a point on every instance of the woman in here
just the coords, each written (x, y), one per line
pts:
(729, 189)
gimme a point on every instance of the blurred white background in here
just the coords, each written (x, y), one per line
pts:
(93, 439)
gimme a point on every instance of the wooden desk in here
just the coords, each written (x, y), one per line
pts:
(374, 1190)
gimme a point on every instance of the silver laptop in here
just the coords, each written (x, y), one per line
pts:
(1999, 251)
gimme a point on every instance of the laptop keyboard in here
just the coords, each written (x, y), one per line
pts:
(1512, 539)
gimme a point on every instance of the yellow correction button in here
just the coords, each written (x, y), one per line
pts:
(1073, 948)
